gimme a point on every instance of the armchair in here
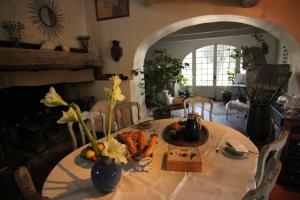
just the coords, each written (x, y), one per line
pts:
(165, 100)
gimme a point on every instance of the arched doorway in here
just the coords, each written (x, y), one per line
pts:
(268, 26)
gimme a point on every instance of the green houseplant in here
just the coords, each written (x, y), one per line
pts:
(160, 74)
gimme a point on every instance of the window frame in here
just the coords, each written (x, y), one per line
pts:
(215, 63)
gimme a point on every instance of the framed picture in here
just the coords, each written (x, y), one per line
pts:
(109, 9)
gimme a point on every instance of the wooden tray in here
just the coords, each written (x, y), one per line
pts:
(186, 159)
(180, 141)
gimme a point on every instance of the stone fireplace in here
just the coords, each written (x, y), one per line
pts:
(29, 134)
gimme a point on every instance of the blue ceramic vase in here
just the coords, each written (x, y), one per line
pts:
(106, 174)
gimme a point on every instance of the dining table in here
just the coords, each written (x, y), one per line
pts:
(222, 177)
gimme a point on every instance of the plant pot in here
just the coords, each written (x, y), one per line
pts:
(106, 174)
(226, 97)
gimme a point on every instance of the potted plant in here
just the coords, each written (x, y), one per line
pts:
(160, 74)
(226, 95)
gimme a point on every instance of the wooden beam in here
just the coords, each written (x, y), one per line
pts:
(31, 59)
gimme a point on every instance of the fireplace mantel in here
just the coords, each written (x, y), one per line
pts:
(32, 67)
(15, 59)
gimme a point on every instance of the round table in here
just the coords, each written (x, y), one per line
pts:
(221, 177)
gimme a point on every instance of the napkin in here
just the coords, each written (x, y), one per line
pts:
(236, 146)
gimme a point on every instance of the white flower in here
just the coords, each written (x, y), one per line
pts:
(69, 116)
(52, 99)
(115, 150)
(116, 81)
(118, 95)
(115, 93)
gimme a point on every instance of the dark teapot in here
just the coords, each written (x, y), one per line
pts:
(193, 127)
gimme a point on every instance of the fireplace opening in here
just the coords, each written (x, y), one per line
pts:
(29, 134)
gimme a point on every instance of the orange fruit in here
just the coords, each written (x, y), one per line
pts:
(90, 153)
(100, 147)
(94, 158)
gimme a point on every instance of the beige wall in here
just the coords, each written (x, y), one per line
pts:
(74, 21)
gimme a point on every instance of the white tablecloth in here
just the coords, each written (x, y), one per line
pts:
(221, 177)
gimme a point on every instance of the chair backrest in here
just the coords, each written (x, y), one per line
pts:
(26, 186)
(269, 152)
(89, 118)
(124, 115)
(264, 189)
(202, 101)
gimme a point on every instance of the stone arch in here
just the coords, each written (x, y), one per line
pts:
(277, 31)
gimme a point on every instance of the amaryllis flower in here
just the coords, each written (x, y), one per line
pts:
(115, 150)
(115, 93)
(69, 116)
(52, 99)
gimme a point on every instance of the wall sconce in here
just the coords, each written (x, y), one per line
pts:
(116, 50)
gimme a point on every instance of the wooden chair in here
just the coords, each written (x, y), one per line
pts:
(202, 101)
(89, 118)
(26, 186)
(124, 115)
(264, 189)
(269, 152)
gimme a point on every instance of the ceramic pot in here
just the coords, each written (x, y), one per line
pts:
(106, 175)
(116, 50)
(192, 130)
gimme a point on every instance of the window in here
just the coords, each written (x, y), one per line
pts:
(205, 66)
(224, 64)
(208, 62)
(188, 71)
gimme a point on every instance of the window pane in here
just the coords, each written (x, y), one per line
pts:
(188, 71)
(204, 66)
(225, 64)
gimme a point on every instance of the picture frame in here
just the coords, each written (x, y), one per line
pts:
(110, 9)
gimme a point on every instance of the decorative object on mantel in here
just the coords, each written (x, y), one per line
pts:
(106, 173)
(112, 9)
(14, 31)
(248, 3)
(47, 16)
(116, 50)
(65, 47)
(48, 45)
(84, 42)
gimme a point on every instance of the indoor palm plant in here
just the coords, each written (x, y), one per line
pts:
(111, 153)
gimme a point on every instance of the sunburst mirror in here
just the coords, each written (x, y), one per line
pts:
(46, 15)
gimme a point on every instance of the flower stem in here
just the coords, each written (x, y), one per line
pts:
(110, 108)
(86, 130)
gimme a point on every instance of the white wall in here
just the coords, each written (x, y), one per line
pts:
(74, 21)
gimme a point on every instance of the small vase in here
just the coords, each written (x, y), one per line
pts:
(106, 174)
